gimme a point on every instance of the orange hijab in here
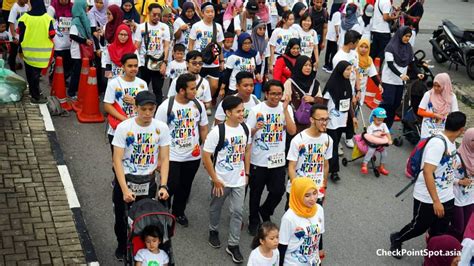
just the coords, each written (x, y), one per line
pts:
(364, 60)
(299, 187)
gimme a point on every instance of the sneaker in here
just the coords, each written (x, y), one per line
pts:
(209, 112)
(119, 254)
(335, 177)
(252, 229)
(182, 220)
(214, 239)
(363, 169)
(340, 150)
(383, 171)
(234, 251)
(349, 143)
(395, 246)
(327, 69)
(40, 100)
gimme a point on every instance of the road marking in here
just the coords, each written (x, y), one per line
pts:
(94, 263)
(48, 122)
(68, 187)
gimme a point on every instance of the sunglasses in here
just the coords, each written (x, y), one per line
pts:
(194, 63)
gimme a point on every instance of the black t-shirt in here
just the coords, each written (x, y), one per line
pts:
(319, 19)
(416, 10)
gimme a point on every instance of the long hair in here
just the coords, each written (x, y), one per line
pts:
(263, 230)
(284, 17)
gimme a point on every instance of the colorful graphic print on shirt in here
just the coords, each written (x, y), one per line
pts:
(309, 248)
(154, 41)
(313, 158)
(144, 146)
(184, 130)
(272, 131)
(119, 94)
(235, 153)
(244, 64)
(450, 164)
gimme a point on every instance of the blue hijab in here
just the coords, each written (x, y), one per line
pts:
(240, 41)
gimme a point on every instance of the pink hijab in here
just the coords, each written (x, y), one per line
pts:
(264, 13)
(466, 150)
(229, 11)
(442, 102)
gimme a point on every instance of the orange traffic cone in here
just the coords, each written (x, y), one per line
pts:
(90, 112)
(373, 97)
(77, 105)
(59, 84)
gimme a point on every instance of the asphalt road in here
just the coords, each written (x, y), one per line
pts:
(361, 211)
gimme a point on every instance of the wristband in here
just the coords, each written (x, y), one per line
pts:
(164, 186)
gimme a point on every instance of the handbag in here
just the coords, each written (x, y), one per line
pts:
(303, 112)
(152, 62)
(87, 51)
(113, 121)
(212, 49)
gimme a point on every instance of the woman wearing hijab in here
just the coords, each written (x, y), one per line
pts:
(440, 246)
(298, 10)
(302, 225)
(244, 59)
(98, 14)
(130, 13)
(182, 25)
(366, 68)
(338, 92)
(80, 33)
(398, 56)
(285, 63)
(463, 184)
(61, 12)
(436, 104)
(234, 8)
(122, 44)
(302, 86)
(349, 21)
(114, 19)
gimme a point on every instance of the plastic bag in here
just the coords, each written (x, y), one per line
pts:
(12, 85)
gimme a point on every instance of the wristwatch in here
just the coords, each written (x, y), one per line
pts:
(164, 186)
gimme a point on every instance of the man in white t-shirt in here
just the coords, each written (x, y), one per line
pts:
(381, 27)
(187, 122)
(270, 121)
(433, 193)
(228, 143)
(18, 9)
(153, 38)
(139, 144)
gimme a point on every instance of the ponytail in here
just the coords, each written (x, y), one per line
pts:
(284, 18)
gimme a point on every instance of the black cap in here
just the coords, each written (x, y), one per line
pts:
(145, 97)
(252, 6)
(205, 5)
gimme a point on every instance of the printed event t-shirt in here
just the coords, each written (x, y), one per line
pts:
(75, 50)
(302, 236)
(116, 90)
(62, 26)
(184, 39)
(157, 35)
(175, 69)
(280, 38)
(147, 258)
(308, 40)
(387, 74)
(202, 34)
(365, 73)
(15, 13)
(379, 24)
(253, 101)
(256, 258)
(183, 122)
(331, 35)
(353, 58)
(338, 118)
(238, 64)
(309, 153)
(230, 167)
(434, 154)
(268, 144)
(141, 144)
(203, 92)
(463, 195)
(430, 125)
(373, 128)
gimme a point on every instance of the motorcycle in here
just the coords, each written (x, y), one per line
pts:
(450, 43)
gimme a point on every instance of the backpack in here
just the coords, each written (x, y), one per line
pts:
(220, 143)
(171, 103)
(212, 49)
(414, 161)
(55, 108)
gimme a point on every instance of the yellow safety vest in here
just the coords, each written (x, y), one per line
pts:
(36, 45)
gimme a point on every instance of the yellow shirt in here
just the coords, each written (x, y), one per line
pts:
(7, 4)
(144, 14)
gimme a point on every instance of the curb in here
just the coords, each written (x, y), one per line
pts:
(73, 201)
(463, 96)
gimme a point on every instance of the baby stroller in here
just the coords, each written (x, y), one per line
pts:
(149, 212)
(412, 95)
(361, 146)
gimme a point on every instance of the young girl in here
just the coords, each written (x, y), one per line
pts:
(377, 130)
(280, 38)
(309, 38)
(265, 246)
(366, 68)
(151, 255)
(302, 226)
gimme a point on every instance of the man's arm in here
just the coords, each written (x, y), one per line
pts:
(203, 130)
(128, 196)
(164, 155)
(428, 174)
(291, 170)
(248, 150)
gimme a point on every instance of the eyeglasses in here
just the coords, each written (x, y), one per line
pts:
(322, 120)
(275, 94)
(194, 63)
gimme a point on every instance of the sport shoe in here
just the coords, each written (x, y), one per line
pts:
(214, 239)
(119, 254)
(383, 171)
(395, 246)
(335, 177)
(40, 100)
(327, 69)
(349, 143)
(340, 150)
(252, 229)
(182, 220)
(234, 251)
(363, 169)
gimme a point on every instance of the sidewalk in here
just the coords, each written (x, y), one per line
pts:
(36, 221)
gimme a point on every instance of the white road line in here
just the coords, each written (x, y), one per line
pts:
(68, 187)
(94, 263)
(48, 122)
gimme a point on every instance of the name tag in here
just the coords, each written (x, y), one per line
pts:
(65, 23)
(344, 105)
(276, 160)
(139, 189)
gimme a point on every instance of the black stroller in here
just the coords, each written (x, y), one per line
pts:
(149, 212)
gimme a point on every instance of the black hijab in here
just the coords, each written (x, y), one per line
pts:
(303, 81)
(194, 19)
(296, 11)
(290, 59)
(402, 52)
(338, 86)
(132, 14)
(37, 8)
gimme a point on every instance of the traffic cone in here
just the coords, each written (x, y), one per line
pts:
(90, 112)
(77, 105)
(59, 85)
(373, 97)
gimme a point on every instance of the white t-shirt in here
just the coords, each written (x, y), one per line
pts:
(253, 101)
(280, 38)
(335, 21)
(203, 92)
(387, 75)
(230, 166)
(141, 145)
(75, 50)
(338, 118)
(114, 69)
(184, 129)
(353, 58)
(302, 236)
(15, 13)
(308, 40)
(434, 154)
(116, 90)
(5, 36)
(431, 126)
(373, 128)
(268, 145)
(463, 196)
(248, 25)
(367, 29)
(146, 257)
(256, 258)
(158, 35)
(175, 69)
(378, 24)
(184, 39)
(202, 36)
(238, 64)
(62, 26)
(309, 153)
(364, 74)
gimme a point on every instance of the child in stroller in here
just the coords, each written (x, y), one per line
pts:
(152, 235)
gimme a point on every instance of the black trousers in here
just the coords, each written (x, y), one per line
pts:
(424, 218)
(33, 75)
(349, 128)
(75, 77)
(157, 81)
(331, 50)
(391, 99)
(377, 47)
(67, 63)
(180, 182)
(335, 134)
(12, 56)
(274, 180)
